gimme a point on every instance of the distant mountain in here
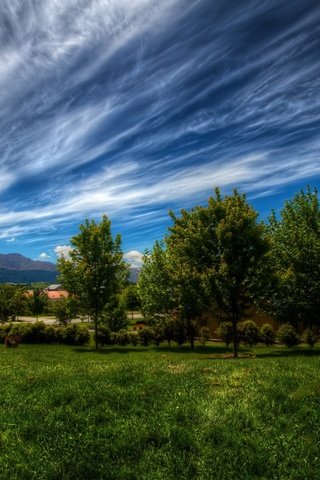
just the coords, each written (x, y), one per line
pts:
(27, 276)
(16, 268)
(17, 262)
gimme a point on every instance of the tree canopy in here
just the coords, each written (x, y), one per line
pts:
(295, 238)
(95, 271)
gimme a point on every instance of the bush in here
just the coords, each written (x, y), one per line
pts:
(133, 338)
(75, 335)
(104, 335)
(225, 332)
(267, 334)
(249, 333)
(288, 336)
(146, 336)
(204, 335)
(4, 330)
(122, 337)
(115, 318)
(309, 337)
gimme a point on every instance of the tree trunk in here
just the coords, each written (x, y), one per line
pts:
(235, 338)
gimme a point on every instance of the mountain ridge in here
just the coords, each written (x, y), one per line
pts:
(17, 268)
(18, 262)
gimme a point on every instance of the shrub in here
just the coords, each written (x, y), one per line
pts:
(35, 333)
(267, 334)
(225, 332)
(122, 337)
(133, 338)
(309, 337)
(4, 330)
(104, 335)
(288, 336)
(179, 333)
(75, 335)
(12, 340)
(158, 335)
(146, 336)
(204, 335)
(115, 318)
(249, 333)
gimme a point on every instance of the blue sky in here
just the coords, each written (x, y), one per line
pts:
(134, 107)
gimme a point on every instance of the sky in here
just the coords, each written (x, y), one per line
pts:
(131, 108)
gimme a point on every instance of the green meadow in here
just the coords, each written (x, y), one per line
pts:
(159, 413)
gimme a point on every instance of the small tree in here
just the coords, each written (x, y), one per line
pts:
(204, 335)
(288, 336)
(309, 337)
(95, 271)
(130, 298)
(267, 335)
(225, 332)
(250, 333)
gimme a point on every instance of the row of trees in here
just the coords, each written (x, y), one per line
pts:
(217, 257)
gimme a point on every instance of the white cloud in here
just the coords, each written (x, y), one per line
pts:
(134, 257)
(62, 250)
(11, 240)
(44, 256)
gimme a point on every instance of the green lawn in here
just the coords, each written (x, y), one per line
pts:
(134, 413)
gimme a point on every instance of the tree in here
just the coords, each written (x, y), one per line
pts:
(64, 309)
(295, 254)
(131, 299)
(95, 271)
(38, 302)
(155, 284)
(13, 300)
(167, 288)
(222, 246)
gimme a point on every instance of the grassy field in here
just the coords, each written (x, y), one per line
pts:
(134, 413)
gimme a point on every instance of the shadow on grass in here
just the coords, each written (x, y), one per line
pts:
(163, 349)
(288, 352)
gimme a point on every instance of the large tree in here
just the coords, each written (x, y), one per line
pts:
(95, 271)
(222, 246)
(295, 240)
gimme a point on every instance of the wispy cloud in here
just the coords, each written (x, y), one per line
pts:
(131, 108)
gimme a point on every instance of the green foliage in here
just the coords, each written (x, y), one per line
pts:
(64, 309)
(95, 271)
(133, 338)
(13, 301)
(309, 337)
(38, 302)
(38, 332)
(154, 284)
(146, 336)
(130, 298)
(219, 250)
(122, 338)
(295, 240)
(104, 335)
(288, 336)
(267, 334)
(204, 335)
(225, 332)
(249, 333)
(114, 317)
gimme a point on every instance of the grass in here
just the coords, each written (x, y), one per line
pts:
(135, 413)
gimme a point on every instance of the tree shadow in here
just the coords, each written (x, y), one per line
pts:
(289, 352)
